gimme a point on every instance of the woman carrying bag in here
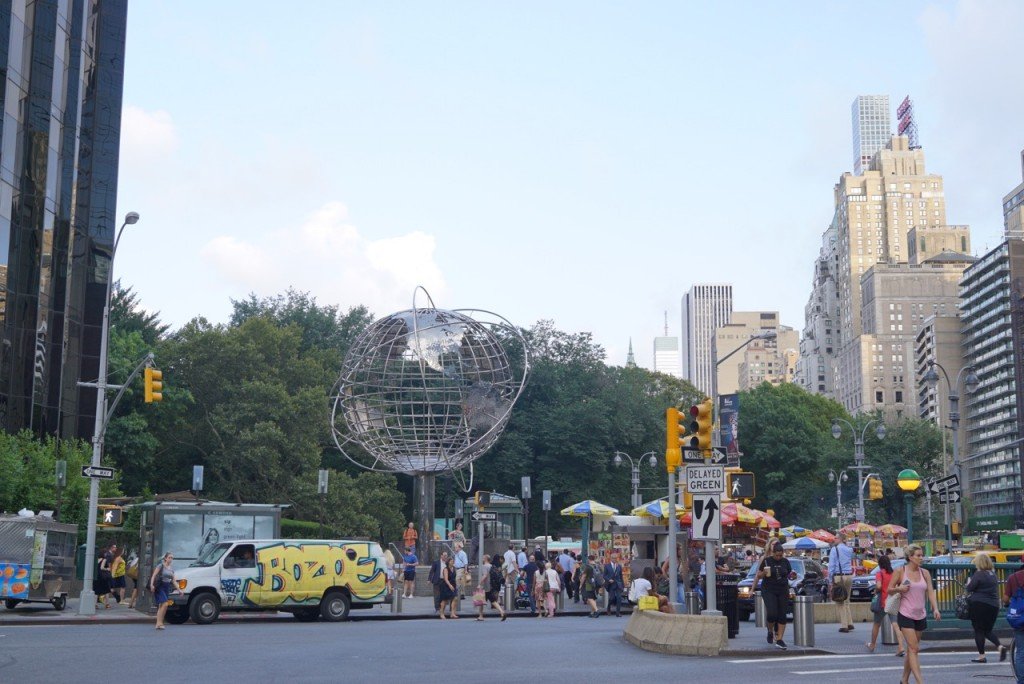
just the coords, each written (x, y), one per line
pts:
(983, 601)
(882, 579)
(913, 584)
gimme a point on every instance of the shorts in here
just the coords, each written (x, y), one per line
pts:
(909, 623)
(878, 617)
(117, 582)
(589, 594)
(491, 596)
(410, 574)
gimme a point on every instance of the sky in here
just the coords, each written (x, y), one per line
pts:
(583, 162)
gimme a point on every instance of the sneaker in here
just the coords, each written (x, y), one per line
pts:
(771, 636)
(781, 644)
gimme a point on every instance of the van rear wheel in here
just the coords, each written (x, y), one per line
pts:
(335, 606)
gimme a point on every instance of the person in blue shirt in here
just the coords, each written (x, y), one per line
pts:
(840, 574)
(409, 575)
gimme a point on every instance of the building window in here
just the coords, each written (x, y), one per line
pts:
(879, 397)
(899, 397)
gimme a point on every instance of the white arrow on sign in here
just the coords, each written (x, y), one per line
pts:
(707, 517)
(944, 483)
(950, 496)
(480, 516)
(98, 472)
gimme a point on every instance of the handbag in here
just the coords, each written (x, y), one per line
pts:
(963, 606)
(838, 592)
(876, 603)
(547, 586)
(478, 597)
(892, 604)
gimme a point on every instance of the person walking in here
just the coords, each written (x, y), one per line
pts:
(613, 585)
(118, 567)
(914, 583)
(162, 584)
(457, 536)
(409, 574)
(588, 586)
(530, 575)
(983, 599)
(539, 594)
(840, 576)
(490, 583)
(461, 568)
(446, 588)
(773, 573)
(882, 578)
(565, 566)
(410, 535)
(554, 587)
(1013, 583)
(389, 571)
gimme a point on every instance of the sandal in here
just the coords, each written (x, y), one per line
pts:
(870, 647)
(900, 654)
(979, 660)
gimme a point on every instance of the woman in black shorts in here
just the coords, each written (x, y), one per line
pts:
(774, 574)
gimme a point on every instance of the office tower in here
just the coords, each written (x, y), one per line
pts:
(666, 354)
(872, 129)
(761, 360)
(59, 144)
(705, 308)
(1013, 209)
(992, 326)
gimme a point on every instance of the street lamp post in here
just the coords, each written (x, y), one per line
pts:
(634, 466)
(87, 599)
(908, 481)
(839, 478)
(858, 454)
(968, 383)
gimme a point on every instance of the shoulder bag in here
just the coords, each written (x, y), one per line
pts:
(892, 602)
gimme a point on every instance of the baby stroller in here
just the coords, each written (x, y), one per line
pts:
(522, 596)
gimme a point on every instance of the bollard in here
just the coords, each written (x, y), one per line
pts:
(759, 611)
(888, 630)
(692, 603)
(560, 602)
(803, 621)
(396, 599)
(510, 592)
(604, 604)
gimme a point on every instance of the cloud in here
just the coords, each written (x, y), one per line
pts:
(146, 137)
(328, 256)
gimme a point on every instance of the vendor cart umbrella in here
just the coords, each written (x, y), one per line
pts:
(805, 544)
(586, 510)
(728, 519)
(858, 528)
(795, 531)
(655, 509)
(741, 513)
(891, 530)
(823, 535)
(766, 520)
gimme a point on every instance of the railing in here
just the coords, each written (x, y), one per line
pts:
(949, 580)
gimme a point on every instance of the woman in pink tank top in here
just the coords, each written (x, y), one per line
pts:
(913, 583)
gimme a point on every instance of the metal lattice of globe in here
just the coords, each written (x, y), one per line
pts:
(427, 390)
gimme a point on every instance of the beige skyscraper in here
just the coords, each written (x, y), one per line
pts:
(762, 360)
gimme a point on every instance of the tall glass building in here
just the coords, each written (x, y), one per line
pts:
(872, 128)
(64, 66)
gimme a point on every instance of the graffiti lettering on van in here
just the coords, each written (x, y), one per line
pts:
(231, 588)
(299, 573)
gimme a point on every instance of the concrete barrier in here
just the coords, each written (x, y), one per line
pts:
(827, 612)
(704, 635)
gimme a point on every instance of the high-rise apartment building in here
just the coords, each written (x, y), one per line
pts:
(59, 144)
(705, 308)
(992, 327)
(666, 354)
(939, 341)
(872, 128)
(1013, 209)
(761, 360)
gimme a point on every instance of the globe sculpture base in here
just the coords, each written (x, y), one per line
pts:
(423, 506)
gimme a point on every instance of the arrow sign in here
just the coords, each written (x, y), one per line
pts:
(98, 472)
(948, 482)
(949, 496)
(707, 517)
(481, 516)
(718, 455)
(692, 455)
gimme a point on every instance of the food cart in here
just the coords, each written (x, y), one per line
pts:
(37, 560)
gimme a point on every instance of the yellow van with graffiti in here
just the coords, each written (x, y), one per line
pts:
(310, 578)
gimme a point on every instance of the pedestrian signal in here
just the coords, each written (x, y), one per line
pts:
(110, 516)
(483, 499)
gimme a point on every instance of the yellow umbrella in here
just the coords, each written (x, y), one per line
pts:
(655, 509)
(588, 507)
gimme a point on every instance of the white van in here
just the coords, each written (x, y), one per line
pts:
(309, 578)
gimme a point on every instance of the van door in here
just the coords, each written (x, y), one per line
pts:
(238, 577)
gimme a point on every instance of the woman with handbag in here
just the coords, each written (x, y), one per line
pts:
(983, 606)
(882, 579)
(538, 588)
(552, 587)
(913, 585)
(488, 589)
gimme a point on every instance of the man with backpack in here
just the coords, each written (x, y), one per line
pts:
(1013, 597)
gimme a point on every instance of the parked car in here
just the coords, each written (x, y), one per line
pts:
(863, 586)
(808, 579)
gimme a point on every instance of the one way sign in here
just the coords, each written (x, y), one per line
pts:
(707, 517)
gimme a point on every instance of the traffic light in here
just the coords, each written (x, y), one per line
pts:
(483, 499)
(874, 489)
(110, 516)
(700, 425)
(740, 485)
(675, 428)
(153, 384)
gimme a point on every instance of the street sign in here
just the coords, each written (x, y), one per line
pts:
(98, 473)
(949, 496)
(741, 486)
(948, 482)
(481, 516)
(705, 479)
(707, 517)
(718, 455)
(692, 455)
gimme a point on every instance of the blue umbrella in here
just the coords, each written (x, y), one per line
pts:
(805, 544)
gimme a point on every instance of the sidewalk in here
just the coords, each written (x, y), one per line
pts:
(750, 642)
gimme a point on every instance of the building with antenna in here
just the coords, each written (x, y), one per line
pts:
(666, 354)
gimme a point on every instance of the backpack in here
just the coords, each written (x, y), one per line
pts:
(598, 579)
(1015, 611)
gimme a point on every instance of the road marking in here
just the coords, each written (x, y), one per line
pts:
(876, 669)
(833, 656)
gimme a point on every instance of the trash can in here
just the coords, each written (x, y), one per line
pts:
(759, 618)
(888, 630)
(803, 620)
(727, 594)
(691, 601)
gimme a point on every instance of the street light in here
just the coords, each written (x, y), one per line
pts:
(858, 454)
(970, 384)
(87, 599)
(839, 478)
(634, 466)
(908, 480)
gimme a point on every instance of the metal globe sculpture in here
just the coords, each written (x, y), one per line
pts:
(427, 390)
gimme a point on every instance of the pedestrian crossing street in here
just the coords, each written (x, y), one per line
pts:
(952, 666)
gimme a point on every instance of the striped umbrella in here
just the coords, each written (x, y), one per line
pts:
(655, 509)
(795, 531)
(891, 530)
(742, 514)
(588, 507)
(858, 528)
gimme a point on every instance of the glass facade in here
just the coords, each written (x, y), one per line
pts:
(59, 142)
(872, 128)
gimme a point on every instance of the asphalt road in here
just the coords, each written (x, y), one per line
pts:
(561, 650)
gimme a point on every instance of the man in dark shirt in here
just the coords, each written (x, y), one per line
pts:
(531, 570)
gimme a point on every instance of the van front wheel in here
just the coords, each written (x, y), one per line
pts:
(204, 608)
(334, 607)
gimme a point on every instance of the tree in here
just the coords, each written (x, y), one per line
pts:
(911, 443)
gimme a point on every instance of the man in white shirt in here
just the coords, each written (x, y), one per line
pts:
(510, 567)
(461, 566)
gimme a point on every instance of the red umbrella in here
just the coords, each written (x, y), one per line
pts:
(823, 535)
(727, 518)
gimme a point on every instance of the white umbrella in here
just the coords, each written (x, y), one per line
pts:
(805, 544)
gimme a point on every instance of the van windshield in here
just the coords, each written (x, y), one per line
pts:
(211, 555)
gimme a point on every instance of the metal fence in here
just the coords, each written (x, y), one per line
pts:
(950, 579)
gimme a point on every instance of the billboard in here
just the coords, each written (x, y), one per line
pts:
(729, 422)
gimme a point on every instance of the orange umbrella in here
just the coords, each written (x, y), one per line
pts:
(823, 535)
(891, 530)
(768, 521)
(858, 528)
(741, 513)
(727, 518)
